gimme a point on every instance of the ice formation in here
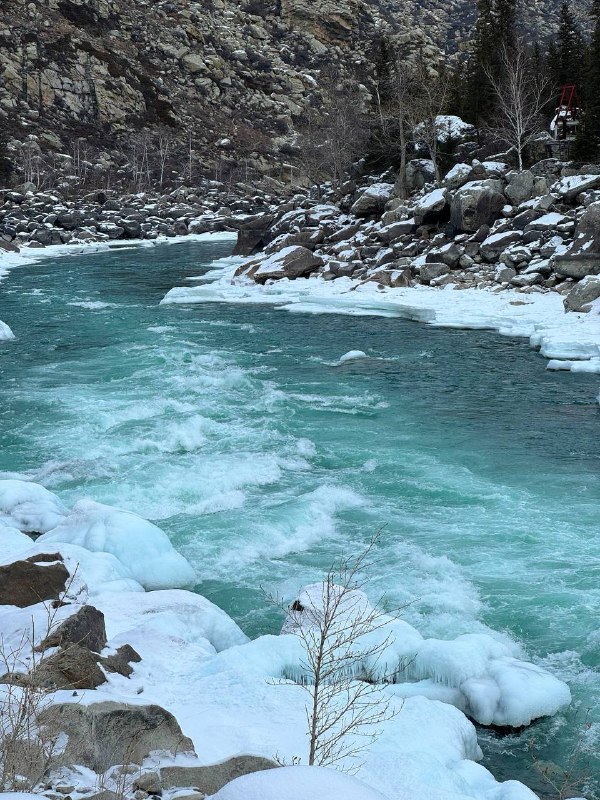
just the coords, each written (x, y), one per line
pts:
(140, 546)
(5, 332)
(29, 507)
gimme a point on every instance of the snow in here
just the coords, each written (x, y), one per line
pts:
(138, 544)
(549, 221)
(488, 681)
(5, 332)
(29, 507)
(296, 783)
(449, 126)
(352, 355)
(539, 317)
(12, 543)
(431, 201)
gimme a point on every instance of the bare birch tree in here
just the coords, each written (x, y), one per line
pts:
(344, 638)
(521, 94)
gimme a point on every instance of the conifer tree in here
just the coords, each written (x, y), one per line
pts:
(585, 147)
(566, 54)
(494, 32)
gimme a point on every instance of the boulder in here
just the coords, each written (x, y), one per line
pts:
(458, 176)
(102, 735)
(120, 661)
(449, 254)
(583, 258)
(252, 234)
(419, 171)
(85, 628)
(430, 208)
(570, 187)
(25, 583)
(73, 667)
(291, 262)
(498, 242)
(520, 186)
(211, 778)
(475, 204)
(372, 201)
(583, 294)
(431, 271)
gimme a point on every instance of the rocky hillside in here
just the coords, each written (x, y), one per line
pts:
(230, 79)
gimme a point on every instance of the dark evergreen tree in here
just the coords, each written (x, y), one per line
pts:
(586, 145)
(494, 31)
(566, 53)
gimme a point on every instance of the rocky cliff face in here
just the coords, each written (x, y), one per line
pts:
(231, 76)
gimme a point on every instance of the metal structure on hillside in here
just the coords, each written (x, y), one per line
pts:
(566, 122)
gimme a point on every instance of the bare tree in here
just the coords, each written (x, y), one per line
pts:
(429, 100)
(393, 132)
(521, 94)
(344, 639)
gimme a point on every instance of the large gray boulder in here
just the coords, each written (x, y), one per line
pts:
(583, 295)
(583, 258)
(570, 187)
(475, 204)
(419, 171)
(495, 244)
(291, 262)
(211, 778)
(520, 186)
(103, 735)
(372, 201)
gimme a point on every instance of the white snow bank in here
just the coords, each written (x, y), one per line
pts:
(138, 544)
(540, 317)
(297, 783)
(29, 507)
(486, 679)
(5, 332)
(170, 613)
(12, 543)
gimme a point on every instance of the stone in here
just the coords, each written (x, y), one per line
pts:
(431, 271)
(449, 254)
(495, 244)
(475, 204)
(458, 176)
(504, 274)
(583, 258)
(429, 209)
(212, 778)
(570, 187)
(85, 628)
(419, 171)
(120, 662)
(291, 262)
(25, 583)
(372, 201)
(102, 735)
(252, 235)
(582, 295)
(72, 667)
(148, 782)
(520, 186)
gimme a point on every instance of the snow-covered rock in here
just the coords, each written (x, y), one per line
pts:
(142, 547)
(297, 783)
(29, 507)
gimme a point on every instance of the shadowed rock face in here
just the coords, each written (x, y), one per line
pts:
(246, 68)
(85, 628)
(25, 583)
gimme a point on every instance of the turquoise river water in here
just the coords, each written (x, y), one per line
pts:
(233, 429)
